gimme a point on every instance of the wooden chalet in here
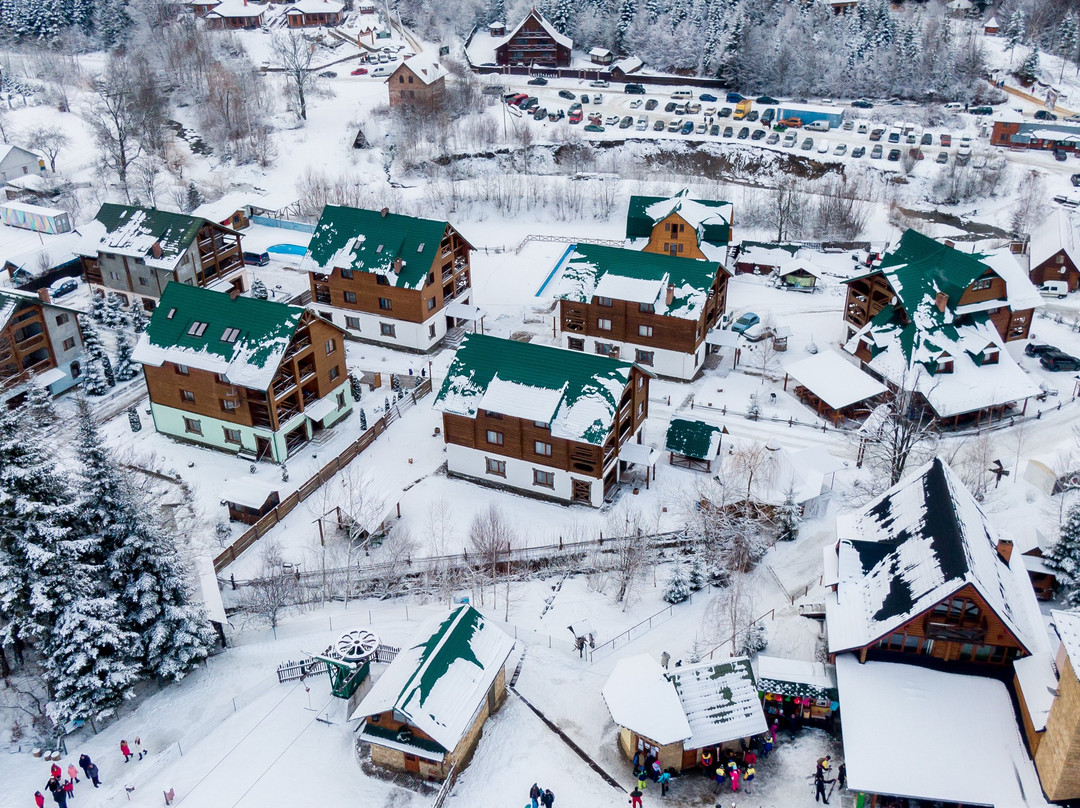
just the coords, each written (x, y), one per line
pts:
(799, 275)
(693, 444)
(249, 500)
(653, 309)
(692, 709)
(535, 42)
(1053, 251)
(680, 226)
(601, 56)
(235, 15)
(135, 252)
(419, 80)
(542, 420)
(991, 27)
(247, 376)
(426, 712)
(390, 279)
(37, 338)
(1056, 747)
(934, 320)
(312, 13)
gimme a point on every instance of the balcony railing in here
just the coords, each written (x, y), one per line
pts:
(957, 632)
(298, 346)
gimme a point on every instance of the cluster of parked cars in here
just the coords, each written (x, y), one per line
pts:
(1051, 358)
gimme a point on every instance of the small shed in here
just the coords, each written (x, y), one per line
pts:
(832, 386)
(791, 687)
(991, 28)
(497, 28)
(798, 275)
(601, 56)
(249, 501)
(693, 444)
(763, 259)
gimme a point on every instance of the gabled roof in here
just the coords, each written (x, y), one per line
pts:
(1067, 625)
(710, 218)
(194, 326)
(316, 7)
(552, 31)
(368, 241)
(638, 277)
(912, 547)
(575, 393)
(7, 149)
(438, 682)
(236, 8)
(639, 696)
(692, 438)
(835, 380)
(1057, 232)
(133, 231)
(424, 67)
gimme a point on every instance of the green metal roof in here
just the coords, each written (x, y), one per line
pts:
(640, 220)
(129, 227)
(580, 392)
(368, 241)
(694, 439)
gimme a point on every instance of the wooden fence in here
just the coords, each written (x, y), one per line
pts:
(309, 487)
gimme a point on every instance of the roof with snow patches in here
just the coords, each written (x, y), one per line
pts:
(912, 547)
(638, 277)
(133, 231)
(440, 679)
(244, 339)
(795, 677)
(315, 7)
(710, 218)
(369, 241)
(576, 394)
(424, 66)
(1058, 232)
(693, 438)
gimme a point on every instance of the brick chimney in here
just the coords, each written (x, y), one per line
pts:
(384, 212)
(398, 263)
(155, 249)
(670, 296)
(941, 301)
(1005, 548)
(234, 293)
(43, 293)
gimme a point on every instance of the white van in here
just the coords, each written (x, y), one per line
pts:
(682, 95)
(817, 126)
(953, 106)
(1058, 289)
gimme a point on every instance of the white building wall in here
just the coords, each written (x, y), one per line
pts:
(408, 336)
(673, 364)
(519, 474)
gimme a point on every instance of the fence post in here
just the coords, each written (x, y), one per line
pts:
(234, 704)
(406, 612)
(331, 622)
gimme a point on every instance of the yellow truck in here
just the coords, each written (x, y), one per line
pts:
(742, 109)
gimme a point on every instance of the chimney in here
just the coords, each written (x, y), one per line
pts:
(1005, 548)
(670, 296)
(43, 293)
(950, 243)
(155, 249)
(384, 212)
(234, 293)
(941, 301)
(397, 264)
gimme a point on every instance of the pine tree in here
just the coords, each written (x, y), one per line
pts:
(1029, 68)
(1064, 559)
(38, 404)
(194, 198)
(136, 315)
(1068, 36)
(113, 314)
(95, 382)
(111, 20)
(753, 641)
(126, 370)
(788, 517)
(697, 575)
(258, 290)
(363, 420)
(97, 307)
(1015, 29)
(678, 586)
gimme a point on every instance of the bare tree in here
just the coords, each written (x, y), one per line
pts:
(273, 591)
(786, 206)
(296, 55)
(901, 429)
(50, 140)
(630, 551)
(490, 538)
(116, 118)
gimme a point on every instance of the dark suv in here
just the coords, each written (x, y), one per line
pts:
(1059, 360)
(1038, 349)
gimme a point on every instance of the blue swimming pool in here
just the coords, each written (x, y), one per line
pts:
(288, 249)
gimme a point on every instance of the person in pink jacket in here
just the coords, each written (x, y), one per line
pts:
(735, 777)
(73, 773)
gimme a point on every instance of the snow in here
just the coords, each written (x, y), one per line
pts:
(522, 400)
(640, 697)
(426, 68)
(1067, 625)
(315, 7)
(1057, 232)
(238, 8)
(834, 379)
(720, 700)
(1038, 683)
(634, 290)
(891, 711)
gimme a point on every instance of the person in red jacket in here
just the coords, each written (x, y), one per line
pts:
(125, 750)
(39, 799)
(56, 771)
(69, 788)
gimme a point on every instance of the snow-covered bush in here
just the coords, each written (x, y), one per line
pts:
(753, 640)
(678, 586)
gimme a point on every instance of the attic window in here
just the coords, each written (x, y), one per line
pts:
(230, 335)
(420, 249)
(169, 316)
(378, 249)
(197, 329)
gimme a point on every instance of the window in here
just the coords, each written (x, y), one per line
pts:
(431, 304)
(350, 297)
(644, 330)
(62, 318)
(431, 331)
(603, 325)
(981, 283)
(401, 79)
(544, 478)
(641, 378)
(187, 395)
(353, 323)
(575, 343)
(491, 414)
(341, 401)
(643, 358)
(334, 373)
(387, 330)
(382, 280)
(69, 343)
(604, 301)
(228, 405)
(646, 307)
(182, 370)
(606, 349)
(231, 435)
(494, 438)
(230, 335)
(497, 467)
(641, 409)
(331, 346)
(193, 426)
(143, 282)
(197, 329)
(541, 448)
(430, 278)
(385, 304)
(540, 425)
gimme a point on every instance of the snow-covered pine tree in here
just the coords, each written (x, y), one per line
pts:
(97, 307)
(136, 315)
(626, 11)
(107, 369)
(678, 585)
(151, 579)
(1068, 36)
(363, 420)
(126, 370)
(194, 198)
(1064, 559)
(697, 575)
(788, 517)
(259, 290)
(113, 314)
(38, 404)
(111, 20)
(560, 13)
(753, 640)
(1015, 29)
(1029, 69)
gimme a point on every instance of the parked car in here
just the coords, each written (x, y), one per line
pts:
(984, 110)
(848, 125)
(709, 112)
(675, 125)
(592, 127)
(862, 128)
(1045, 115)
(766, 100)
(1058, 289)
(729, 131)
(841, 150)
(539, 81)
(66, 286)
(611, 120)
(1037, 348)
(963, 151)
(687, 128)
(858, 151)
(732, 98)
(382, 70)
(700, 129)
(946, 139)
(862, 103)
(753, 115)
(942, 157)
(789, 140)
(670, 106)
(651, 104)
(258, 259)
(877, 133)
(599, 83)
(790, 123)
(894, 136)
(626, 122)
(807, 144)
(1059, 360)
(823, 147)
(926, 139)
(707, 97)
(598, 98)
(635, 89)
(767, 116)
(660, 125)
(725, 112)
(693, 109)
(576, 115)
(680, 109)
(517, 99)
(772, 139)
(714, 130)
(360, 71)
(642, 123)
(758, 134)
(748, 320)
(328, 74)
(635, 103)
(569, 96)
(585, 98)
(1061, 155)
(540, 114)
(875, 154)
(744, 133)
(1075, 180)
(894, 155)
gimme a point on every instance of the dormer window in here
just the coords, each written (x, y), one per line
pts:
(197, 329)
(990, 355)
(944, 364)
(378, 249)
(171, 314)
(981, 284)
(230, 335)
(420, 249)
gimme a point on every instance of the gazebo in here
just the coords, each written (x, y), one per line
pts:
(831, 385)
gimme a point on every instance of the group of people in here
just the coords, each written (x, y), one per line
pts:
(541, 796)
(822, 778)
(62, 788)
(739, 774)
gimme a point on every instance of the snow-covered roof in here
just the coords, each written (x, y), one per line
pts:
(702, 705)
(834, 379)
(638, 277)
(1058, 232)
(912, 547)
(576, 394)
(631, 64)
(244, 339)
(765, 255)
(250, 493)
(599, 52)
(892, 710)
(316, 7)
(641, 697)
(991, 23)
(1038, 682)
(1067, 625)
(710, 219)
(35, 209)
(137, 232)
(797, 264)
(425, 67)
(438, 681)
(237, 8)
(795, 677)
